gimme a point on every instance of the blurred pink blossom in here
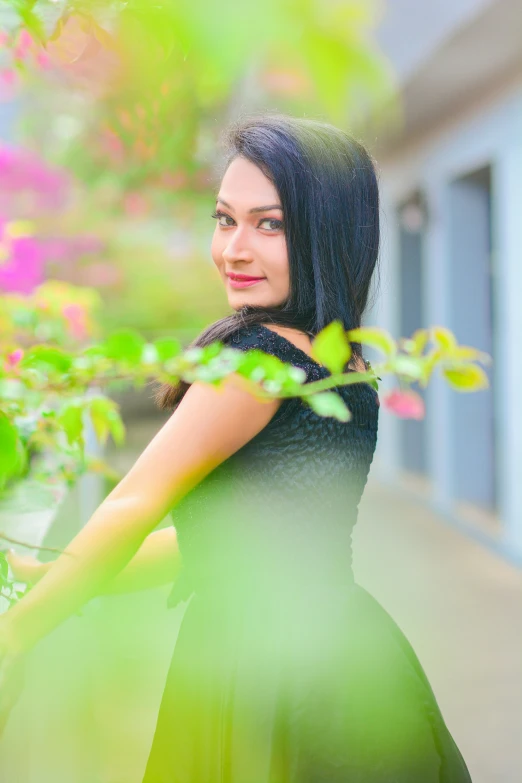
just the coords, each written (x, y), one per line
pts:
(135, 205)
(174, 180)
(8, 76)
(56, 249)
(43, 60)
(102, 274)
(23, 270)
(80, 55)
(24, 45)
(405, 404)
(13, 359)
(22, 171)
(76, 316)
(112, 145)
(86, 244)
(71, 248)
(8, 84)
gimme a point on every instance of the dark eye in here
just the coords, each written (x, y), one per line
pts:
(278, 224)
(218, 215)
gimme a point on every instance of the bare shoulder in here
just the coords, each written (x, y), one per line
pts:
(208, 426)
(303, 342)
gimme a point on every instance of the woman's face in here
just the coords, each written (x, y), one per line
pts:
(249, 240)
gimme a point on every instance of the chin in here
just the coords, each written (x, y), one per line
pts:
(237, 302)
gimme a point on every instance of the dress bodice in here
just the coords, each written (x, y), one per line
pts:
(289, 495)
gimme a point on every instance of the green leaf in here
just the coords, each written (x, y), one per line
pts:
(106, 419)
(331, 347)
(329, 404)
(467, 353)
(49, 13)
(44, 357)
(467, 377)
(4, 567)
(125, 345)
(10, 449)
(167, 348)
(116, 427)
(374, 337)
(70, 419)
(409, 366)
(420, 339)
(96, 351)
(444, 338)
(257, 365)
(97, 410)
(211, 351)
(32, 22)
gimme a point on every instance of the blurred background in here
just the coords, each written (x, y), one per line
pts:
(110, 119)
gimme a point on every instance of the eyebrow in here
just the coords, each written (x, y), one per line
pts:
(254, 209)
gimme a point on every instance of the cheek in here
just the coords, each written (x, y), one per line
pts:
(216, 250)
(279, 264)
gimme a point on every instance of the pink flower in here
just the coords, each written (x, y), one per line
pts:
(25, 40)
(24, 269)
(135, 205)
(8, 76)
(8, 83)
(24, 45)
(406, 404)
(13, 358)
(102, 274)
(112, 145)
(43, 60)
(76, 317)
(175, 180)
(23, 172)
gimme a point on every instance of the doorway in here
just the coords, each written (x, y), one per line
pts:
(411, 220)
(472, 320)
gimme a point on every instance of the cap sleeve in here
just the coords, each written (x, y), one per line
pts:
(361, 398)
(268, 341)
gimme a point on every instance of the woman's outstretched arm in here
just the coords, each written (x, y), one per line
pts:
(155, 563)
(208, 426)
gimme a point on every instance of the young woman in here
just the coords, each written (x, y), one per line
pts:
(285, 670)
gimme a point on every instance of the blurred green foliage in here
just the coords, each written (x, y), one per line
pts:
(151, 84)
(132, 96)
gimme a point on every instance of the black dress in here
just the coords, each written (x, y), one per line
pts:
(285, 670)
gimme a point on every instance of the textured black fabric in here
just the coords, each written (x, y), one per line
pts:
(285, 670)
(308, 466)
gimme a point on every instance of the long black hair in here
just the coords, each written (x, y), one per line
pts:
(328, 187)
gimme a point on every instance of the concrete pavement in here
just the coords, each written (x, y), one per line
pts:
(460, 606)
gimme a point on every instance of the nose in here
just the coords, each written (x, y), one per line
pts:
(237, 248)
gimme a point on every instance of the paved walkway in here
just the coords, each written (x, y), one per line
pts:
(461, 608)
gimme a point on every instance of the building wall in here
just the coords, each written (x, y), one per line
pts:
(424, 25)
(488, 134)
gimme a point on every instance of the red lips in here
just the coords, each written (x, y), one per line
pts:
(243, 277)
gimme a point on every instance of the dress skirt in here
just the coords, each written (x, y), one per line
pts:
(318, 686)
